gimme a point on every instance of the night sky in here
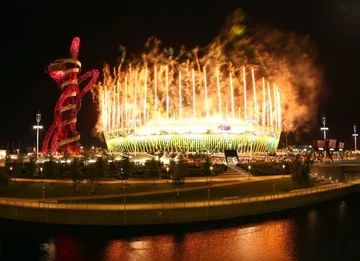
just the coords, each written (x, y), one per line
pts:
(34, 34)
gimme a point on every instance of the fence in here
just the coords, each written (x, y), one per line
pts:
(175, 205)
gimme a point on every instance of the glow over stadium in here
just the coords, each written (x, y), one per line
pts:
(236, 93)
(189, 109)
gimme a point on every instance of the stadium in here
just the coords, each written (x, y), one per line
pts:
(188, 109)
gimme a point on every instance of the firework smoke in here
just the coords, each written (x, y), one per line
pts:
(287, 59)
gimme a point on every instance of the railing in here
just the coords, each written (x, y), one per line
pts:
(131, 180)
(176, 205)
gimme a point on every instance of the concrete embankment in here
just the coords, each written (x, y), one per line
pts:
(337, 171)
(178, 212)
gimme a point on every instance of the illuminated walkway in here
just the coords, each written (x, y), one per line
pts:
(174, 205)
(165, 191)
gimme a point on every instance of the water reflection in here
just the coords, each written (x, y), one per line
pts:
(115, 250)
(317, 233)
(67, 249)
(49, 250)
(236, 243)
(342, 210)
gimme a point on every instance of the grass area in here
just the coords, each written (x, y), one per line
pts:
(34, 189)
(241, 190)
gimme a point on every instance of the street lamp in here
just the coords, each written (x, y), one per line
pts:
(37, 127)
(124, 196)
(249, 167)
(209, 184)
(41, 169)
(274, 187)
(324, 128)
(355, 135)
(283, 166)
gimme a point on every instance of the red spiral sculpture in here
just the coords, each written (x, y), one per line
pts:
(62, 132)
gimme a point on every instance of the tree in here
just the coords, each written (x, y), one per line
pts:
(101, 166)
(206, 167)
(97, 171)
(306, 169)
(153, 169)
(112, 166)
(21, 159)
(296, 171)
(30, 169)
(127, 168)
(300, 170)
(181, 170)
(51, 169)
(4, 178)
(15, 170)
(75, 172)
(93, 175)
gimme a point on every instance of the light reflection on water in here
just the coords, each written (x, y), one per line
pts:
(319, 232)
(49, 250)
(342, 210)
(271, 238)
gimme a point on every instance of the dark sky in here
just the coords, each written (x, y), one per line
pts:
(34, 34)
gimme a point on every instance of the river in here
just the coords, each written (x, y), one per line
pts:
(328, 231)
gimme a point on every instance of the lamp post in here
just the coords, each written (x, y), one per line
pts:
(283, 166)
(124, 204)
(274, 187)
(355, 135)
(37, 127)
(41, 170)
(324, 128)
(249, 167)
(209, 184)
(124, 197)
(178, 189)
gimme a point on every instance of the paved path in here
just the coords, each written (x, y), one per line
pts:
(145, 193)
(165, 191)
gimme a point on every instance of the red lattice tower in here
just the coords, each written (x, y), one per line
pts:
(62, 132)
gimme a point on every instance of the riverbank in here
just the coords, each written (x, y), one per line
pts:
(166, 213)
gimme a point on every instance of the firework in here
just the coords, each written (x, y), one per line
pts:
(236, 93)
(184, 108)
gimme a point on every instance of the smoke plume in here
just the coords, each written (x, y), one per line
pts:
(287, 59)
